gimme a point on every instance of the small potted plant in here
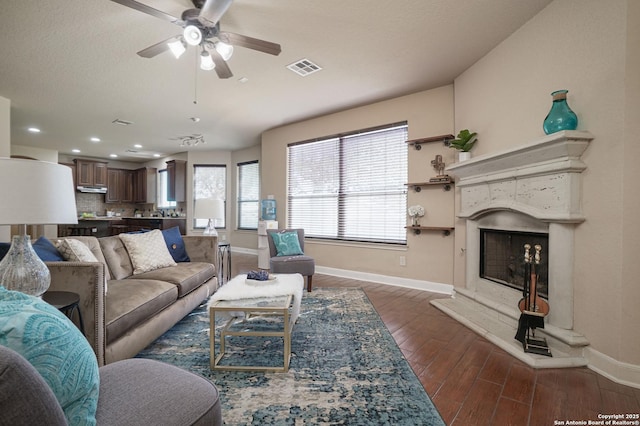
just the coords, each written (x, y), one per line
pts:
(415, 212)
(463, 143)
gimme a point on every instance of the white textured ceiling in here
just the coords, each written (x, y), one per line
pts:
(70, 67)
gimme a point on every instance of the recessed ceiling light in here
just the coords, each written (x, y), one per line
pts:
(94, 139)
(113, 155)
(76, 151)
(195, 119)
(33, 130)
(137, 145)
(156, 155)
(243, 79)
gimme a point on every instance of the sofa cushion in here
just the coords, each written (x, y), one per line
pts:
(131, 302)
(46, 251)
(186, 276)
(147, 251)
(117, 257)
(56, 348)
(94, 245)
(75, 251)
(175, 244)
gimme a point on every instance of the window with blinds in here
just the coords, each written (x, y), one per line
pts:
(350, 186)
(209, 181)
(248, 195)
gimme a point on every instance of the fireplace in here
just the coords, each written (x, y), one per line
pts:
(526, 194)
(502, 258)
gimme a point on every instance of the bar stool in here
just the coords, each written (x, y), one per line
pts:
(79, 230)
(118, 229)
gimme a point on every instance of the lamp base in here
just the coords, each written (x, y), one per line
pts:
(210, 230)
(22, 270)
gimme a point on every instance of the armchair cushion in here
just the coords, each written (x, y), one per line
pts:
(56, 348)
(287, 243)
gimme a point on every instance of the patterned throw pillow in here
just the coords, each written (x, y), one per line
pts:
(75, 251)
(147, 251)
(287, 243)
(56, 348)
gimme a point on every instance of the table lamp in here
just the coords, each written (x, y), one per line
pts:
(212, 209)
(33, 193)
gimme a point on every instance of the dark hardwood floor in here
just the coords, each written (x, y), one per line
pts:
(472, 381)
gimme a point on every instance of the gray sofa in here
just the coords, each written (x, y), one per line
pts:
(123, 313)
(133, 391)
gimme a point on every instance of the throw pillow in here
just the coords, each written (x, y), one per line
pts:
(147, 251)
(56, 348)
(75, 251)
(175, 244)
(47, 251)
(286, 243)
(44, 248)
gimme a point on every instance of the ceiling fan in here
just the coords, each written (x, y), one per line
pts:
(201, 27)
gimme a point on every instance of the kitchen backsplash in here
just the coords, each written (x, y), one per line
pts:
(94, 203)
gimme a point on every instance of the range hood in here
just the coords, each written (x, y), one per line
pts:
(93, 189)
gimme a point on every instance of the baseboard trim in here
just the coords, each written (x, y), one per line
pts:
(386, 279)
(244, 250)
(618, 371)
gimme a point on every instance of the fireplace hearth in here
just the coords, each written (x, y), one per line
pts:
(528, 191)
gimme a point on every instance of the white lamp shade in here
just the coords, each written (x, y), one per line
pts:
(206, 62)
(192, 35)
(209, 208)
(177, 48)
(36, 193)
(224, 49)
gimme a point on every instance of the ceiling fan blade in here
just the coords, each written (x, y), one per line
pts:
(157, 48)
(251, 43)
(148, 10)
(222, 69)
(212, 12)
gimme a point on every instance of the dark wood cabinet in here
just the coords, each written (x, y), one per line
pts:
(176, 180)
(119, 186)
(144, 185)
(90, 173)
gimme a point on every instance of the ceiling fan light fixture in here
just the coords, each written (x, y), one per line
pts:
(206, 62)
(224, 49)
(192, 35)
(177, 47)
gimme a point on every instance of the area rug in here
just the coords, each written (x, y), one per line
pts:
(345, 369)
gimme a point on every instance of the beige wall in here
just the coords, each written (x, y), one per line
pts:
(589, 47)
(5, 148)
(429, 255)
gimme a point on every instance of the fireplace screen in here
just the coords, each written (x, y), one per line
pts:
(502, 258)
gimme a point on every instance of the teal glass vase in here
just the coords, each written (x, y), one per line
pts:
(561, 117)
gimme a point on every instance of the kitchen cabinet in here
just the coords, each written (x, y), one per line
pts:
(144, 185)
(119, 186)
(176, 180)
(137, 224)
(90, 173)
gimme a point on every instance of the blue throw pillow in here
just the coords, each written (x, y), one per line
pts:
(175, 244)
(46, 251)
(44, 248)
(286, 243)
(56, 348)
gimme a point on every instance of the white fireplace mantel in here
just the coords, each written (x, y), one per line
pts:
(536, 187)
(540, 179)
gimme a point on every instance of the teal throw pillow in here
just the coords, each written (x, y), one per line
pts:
(56, 348)
(286, 243)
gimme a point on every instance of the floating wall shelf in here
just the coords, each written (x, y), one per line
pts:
(417, 186)
(446, 231)
(417, 143)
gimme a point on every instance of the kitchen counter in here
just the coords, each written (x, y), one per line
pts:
(101, 226)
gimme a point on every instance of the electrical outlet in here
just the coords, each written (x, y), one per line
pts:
(403, 261)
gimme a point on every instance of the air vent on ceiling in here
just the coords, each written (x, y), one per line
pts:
(304, 67)
(121, 122)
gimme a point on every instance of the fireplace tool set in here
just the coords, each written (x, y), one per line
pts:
(532, 307)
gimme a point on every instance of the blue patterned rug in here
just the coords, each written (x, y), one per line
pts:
(345, 369)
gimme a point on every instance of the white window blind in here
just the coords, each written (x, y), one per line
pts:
(350, 187)
(248, 195)
(209, 181)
